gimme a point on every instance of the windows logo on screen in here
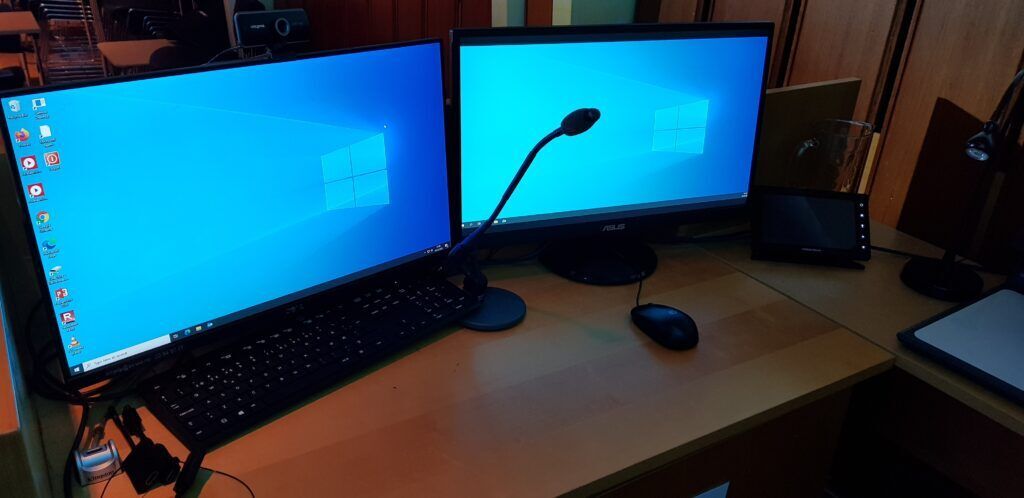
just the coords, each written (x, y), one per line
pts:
(356, 175)
(681, 128)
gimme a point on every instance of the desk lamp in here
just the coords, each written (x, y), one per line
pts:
(946, 278)
(501, 309)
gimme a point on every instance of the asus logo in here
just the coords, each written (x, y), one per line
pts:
(613, 228)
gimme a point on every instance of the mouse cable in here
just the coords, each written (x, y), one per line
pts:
(252, 494)
(225, 474)
(107, 482)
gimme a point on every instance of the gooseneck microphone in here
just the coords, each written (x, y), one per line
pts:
(501, 309)
(574, 123)
(579, 121)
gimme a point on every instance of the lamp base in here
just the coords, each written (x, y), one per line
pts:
(500, 310)
(601, 261)
(929, 276)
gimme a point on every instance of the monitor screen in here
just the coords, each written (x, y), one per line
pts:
(168, 207)
(679, 116)
(805, 221)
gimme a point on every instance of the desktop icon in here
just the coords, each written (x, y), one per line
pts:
(14, 106)
(56, 275)
(49, 244)
(28, 163)
(61, 293)
(67, 317)
(74, 347)
(21, 135)
(36, 191)
(38, 104)
(199, 328)
(42, 218)
(45, 132)
(52, 158)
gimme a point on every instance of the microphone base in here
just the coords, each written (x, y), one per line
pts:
(929, 276)
(500, 310)
(601, 261)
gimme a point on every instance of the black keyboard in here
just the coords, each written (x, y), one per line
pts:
(210, 399)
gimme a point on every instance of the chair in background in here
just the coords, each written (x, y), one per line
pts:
(14, 76)
(70, 52)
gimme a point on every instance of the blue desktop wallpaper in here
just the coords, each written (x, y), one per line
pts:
(678, 122)
(182, 199)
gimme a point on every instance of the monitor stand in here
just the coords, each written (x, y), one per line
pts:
(600, 261)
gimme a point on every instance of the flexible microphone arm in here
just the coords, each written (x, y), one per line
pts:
(574, 123)
(999, 115)
(469, 242)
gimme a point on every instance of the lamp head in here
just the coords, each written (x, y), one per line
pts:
(579, 121)
(982, 146)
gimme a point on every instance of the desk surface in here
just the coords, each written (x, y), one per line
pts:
(572, 399)
(16, 23)
(131, 53)
(875, 304)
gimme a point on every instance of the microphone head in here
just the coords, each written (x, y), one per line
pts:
(580, 120)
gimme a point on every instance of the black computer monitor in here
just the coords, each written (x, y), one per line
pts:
(174, 207)
(680, 108)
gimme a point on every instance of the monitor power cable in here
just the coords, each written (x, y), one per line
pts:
(266, 55)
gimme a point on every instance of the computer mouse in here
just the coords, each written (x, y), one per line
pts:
(668, 326)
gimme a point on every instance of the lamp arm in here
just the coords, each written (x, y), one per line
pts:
(999, 115)
(1014, 120)
(467, 244)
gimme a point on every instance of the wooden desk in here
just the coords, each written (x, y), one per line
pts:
(18, 23)
(876, 305)
(129, 54)
(572, 400)
(23, 23)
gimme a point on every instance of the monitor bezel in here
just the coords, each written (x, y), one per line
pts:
(627, 223)
(242, 326)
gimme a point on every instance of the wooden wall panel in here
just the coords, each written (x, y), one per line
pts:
(679, 10)
(538, 12)
(843, 39)
(961, 51)
(355, 21)
(409, 19)
(777, 11)
(382, 26)
(475, 14)
(326, 19)
(439, 18)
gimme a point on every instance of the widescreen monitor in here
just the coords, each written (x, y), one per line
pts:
(171, 207)
(680, 106)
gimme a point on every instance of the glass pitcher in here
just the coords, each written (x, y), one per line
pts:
(834, 157)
